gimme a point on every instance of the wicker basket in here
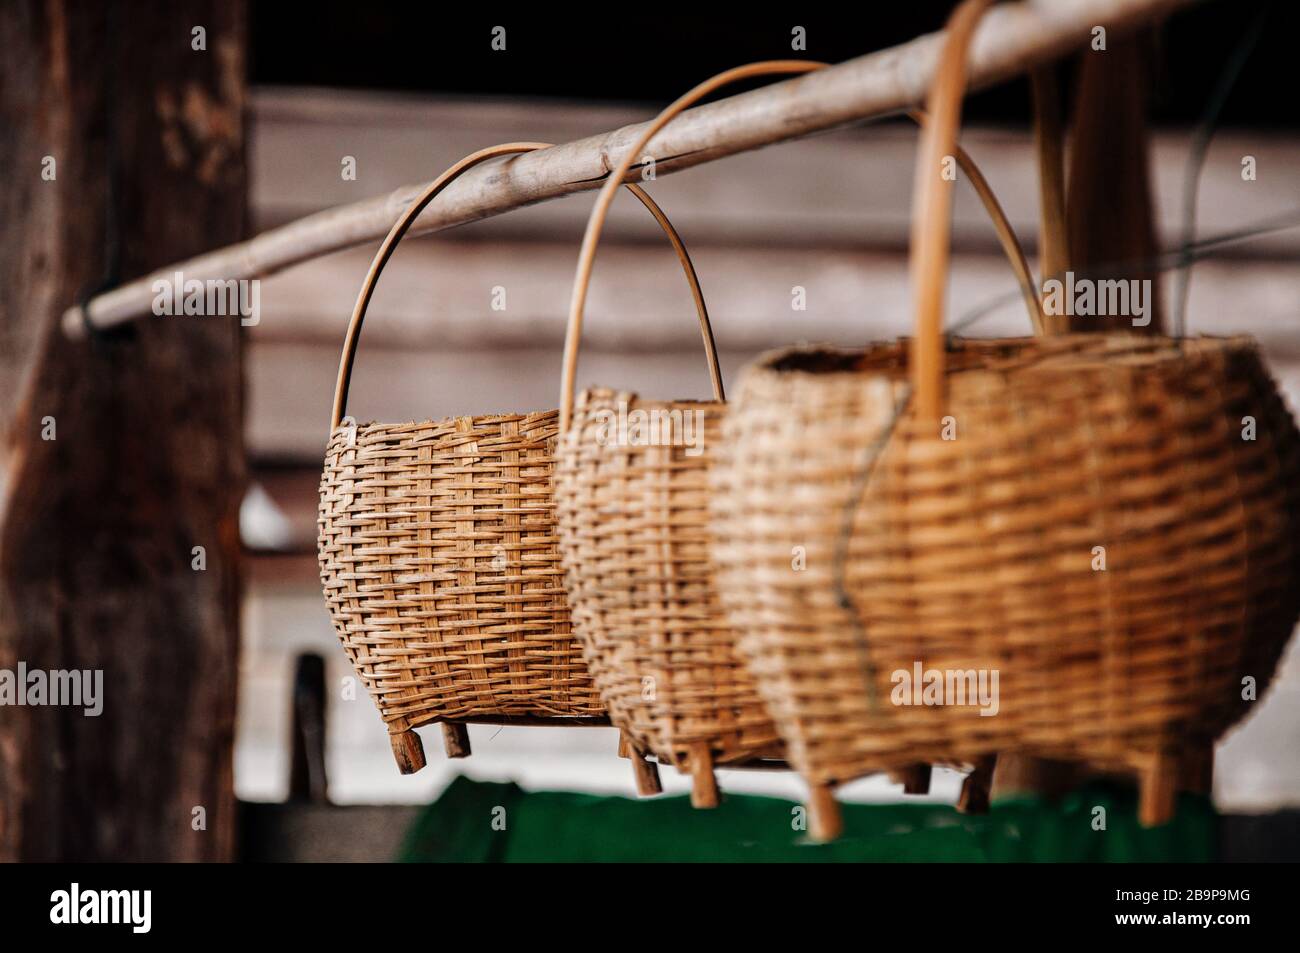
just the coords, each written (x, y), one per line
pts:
(977, 554)
(633, 522)
(634, 532)
(1098, 534)
(438, 552)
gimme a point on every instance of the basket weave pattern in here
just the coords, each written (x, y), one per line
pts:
(440, 567)
(977, 553)
(635, 537)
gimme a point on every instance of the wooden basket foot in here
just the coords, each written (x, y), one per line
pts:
(455, 740)
(974, 797)
(646, 773)
(407, 751)
(1158, 790)
(704, 783)
(915, 778)
(825, 820)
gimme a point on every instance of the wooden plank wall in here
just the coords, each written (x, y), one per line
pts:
(828, 214)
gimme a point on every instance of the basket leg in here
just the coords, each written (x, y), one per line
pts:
(646, 773)
(915, 778)
(455, 740)
(704, 783)
(1157, 789)
(825, 820)
(974, 797)
(407, 750)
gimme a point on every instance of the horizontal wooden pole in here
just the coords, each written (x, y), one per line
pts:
(1011, 39)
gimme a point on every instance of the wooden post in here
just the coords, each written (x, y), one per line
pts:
(307, 777)
(123, 464)
(1110, 212)
(1049, 146)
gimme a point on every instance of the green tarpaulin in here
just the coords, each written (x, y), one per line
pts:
(476, 821)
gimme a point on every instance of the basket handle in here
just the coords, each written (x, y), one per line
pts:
(1006, 235)
(403, 224)
(932, 207)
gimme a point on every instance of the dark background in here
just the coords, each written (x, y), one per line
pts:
(634, 53)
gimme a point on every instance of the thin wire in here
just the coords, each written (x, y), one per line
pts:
(1200, 147)
(840, 564)
(1164, 261)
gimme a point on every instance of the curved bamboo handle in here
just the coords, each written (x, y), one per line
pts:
(587, 256)
(932, 207)
(1006, 235)
(1011, 247)
(403, 224)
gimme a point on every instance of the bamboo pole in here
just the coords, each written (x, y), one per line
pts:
(1011, 39)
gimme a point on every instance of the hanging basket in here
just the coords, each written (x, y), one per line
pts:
(634, 532)
(633, 509)
(438, 553)
(1107, 524)
(631, 490)
(1098, 534)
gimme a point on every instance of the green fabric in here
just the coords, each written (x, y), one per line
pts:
(465, 825)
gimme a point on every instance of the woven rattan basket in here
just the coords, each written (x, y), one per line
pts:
(634, 531)
(633, 521)
(1112, 530)
(438, 553)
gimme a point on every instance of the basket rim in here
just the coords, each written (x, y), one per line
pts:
(496, 417)
(645, 403)
(888, 360)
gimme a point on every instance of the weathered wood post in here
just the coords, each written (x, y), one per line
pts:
(122, 148)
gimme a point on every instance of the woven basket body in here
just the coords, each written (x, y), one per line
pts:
(634, 527)
(979, 552)
(440, 568)
(438, 550)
